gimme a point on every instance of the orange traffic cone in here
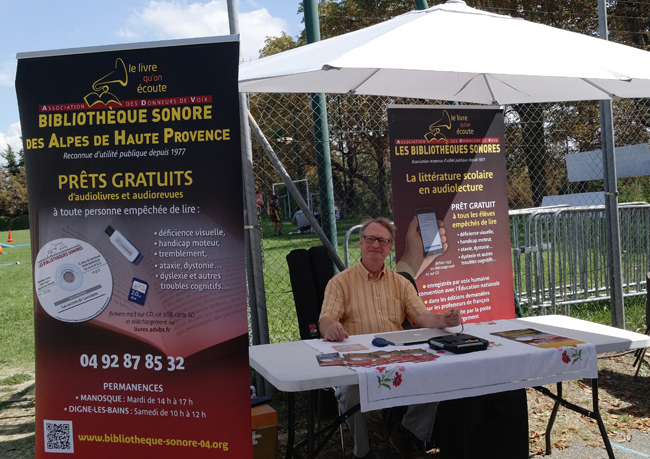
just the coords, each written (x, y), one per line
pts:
(10, 238)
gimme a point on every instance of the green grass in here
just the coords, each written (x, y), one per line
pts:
(16, 305)
(15, 379)
(600, 312)
(16, 348)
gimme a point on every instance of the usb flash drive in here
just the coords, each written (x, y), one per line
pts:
(124, 246)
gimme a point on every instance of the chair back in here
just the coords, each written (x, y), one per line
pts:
(309, 272)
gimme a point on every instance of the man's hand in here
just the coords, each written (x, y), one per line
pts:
(332, 330)
(414, 250)
(452, 317)
(449, 318)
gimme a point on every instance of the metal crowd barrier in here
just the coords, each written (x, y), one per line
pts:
(525, 253)
(560, 254)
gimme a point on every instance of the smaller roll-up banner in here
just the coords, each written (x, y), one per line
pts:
(449, 181)
(135, 201)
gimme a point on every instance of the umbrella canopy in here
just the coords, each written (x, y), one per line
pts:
(454, 52)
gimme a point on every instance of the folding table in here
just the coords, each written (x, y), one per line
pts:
(292, 367)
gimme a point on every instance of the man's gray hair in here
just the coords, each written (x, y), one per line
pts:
(386, 223)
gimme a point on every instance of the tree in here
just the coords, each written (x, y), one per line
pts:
(13, 194)
(13, 187)
(275, 45)
(359, 136)
(629, 23)
(14, 165)
(340, 17)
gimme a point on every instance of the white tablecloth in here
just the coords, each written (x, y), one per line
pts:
(505, 365)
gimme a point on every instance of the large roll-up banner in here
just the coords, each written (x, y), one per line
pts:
(135, 194)
(448, 165)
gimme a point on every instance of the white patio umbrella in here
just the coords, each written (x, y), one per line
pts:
(454, 52)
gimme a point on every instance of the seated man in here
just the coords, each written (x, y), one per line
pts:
(370, 298)
(300, 219)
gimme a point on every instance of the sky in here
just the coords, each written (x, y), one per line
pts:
(42, 25)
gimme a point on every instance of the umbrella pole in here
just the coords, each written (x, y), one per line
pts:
(612, 221)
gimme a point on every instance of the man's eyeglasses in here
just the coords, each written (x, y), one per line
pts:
(370, 240)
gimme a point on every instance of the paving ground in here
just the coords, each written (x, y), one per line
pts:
(632, 445)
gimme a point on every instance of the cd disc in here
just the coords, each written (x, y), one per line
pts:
(69, 277)
(73, 280)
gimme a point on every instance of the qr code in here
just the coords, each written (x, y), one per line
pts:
(58, 437)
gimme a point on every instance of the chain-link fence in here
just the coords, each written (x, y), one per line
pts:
(552, 150)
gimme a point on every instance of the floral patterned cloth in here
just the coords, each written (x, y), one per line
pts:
(505, 365)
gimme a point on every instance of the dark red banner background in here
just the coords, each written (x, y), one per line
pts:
(133, 166)
(452, 159)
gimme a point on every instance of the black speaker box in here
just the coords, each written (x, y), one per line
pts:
(493, 426)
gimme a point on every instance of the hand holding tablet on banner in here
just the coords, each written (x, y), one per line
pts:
(425, 240)
(430, 232)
